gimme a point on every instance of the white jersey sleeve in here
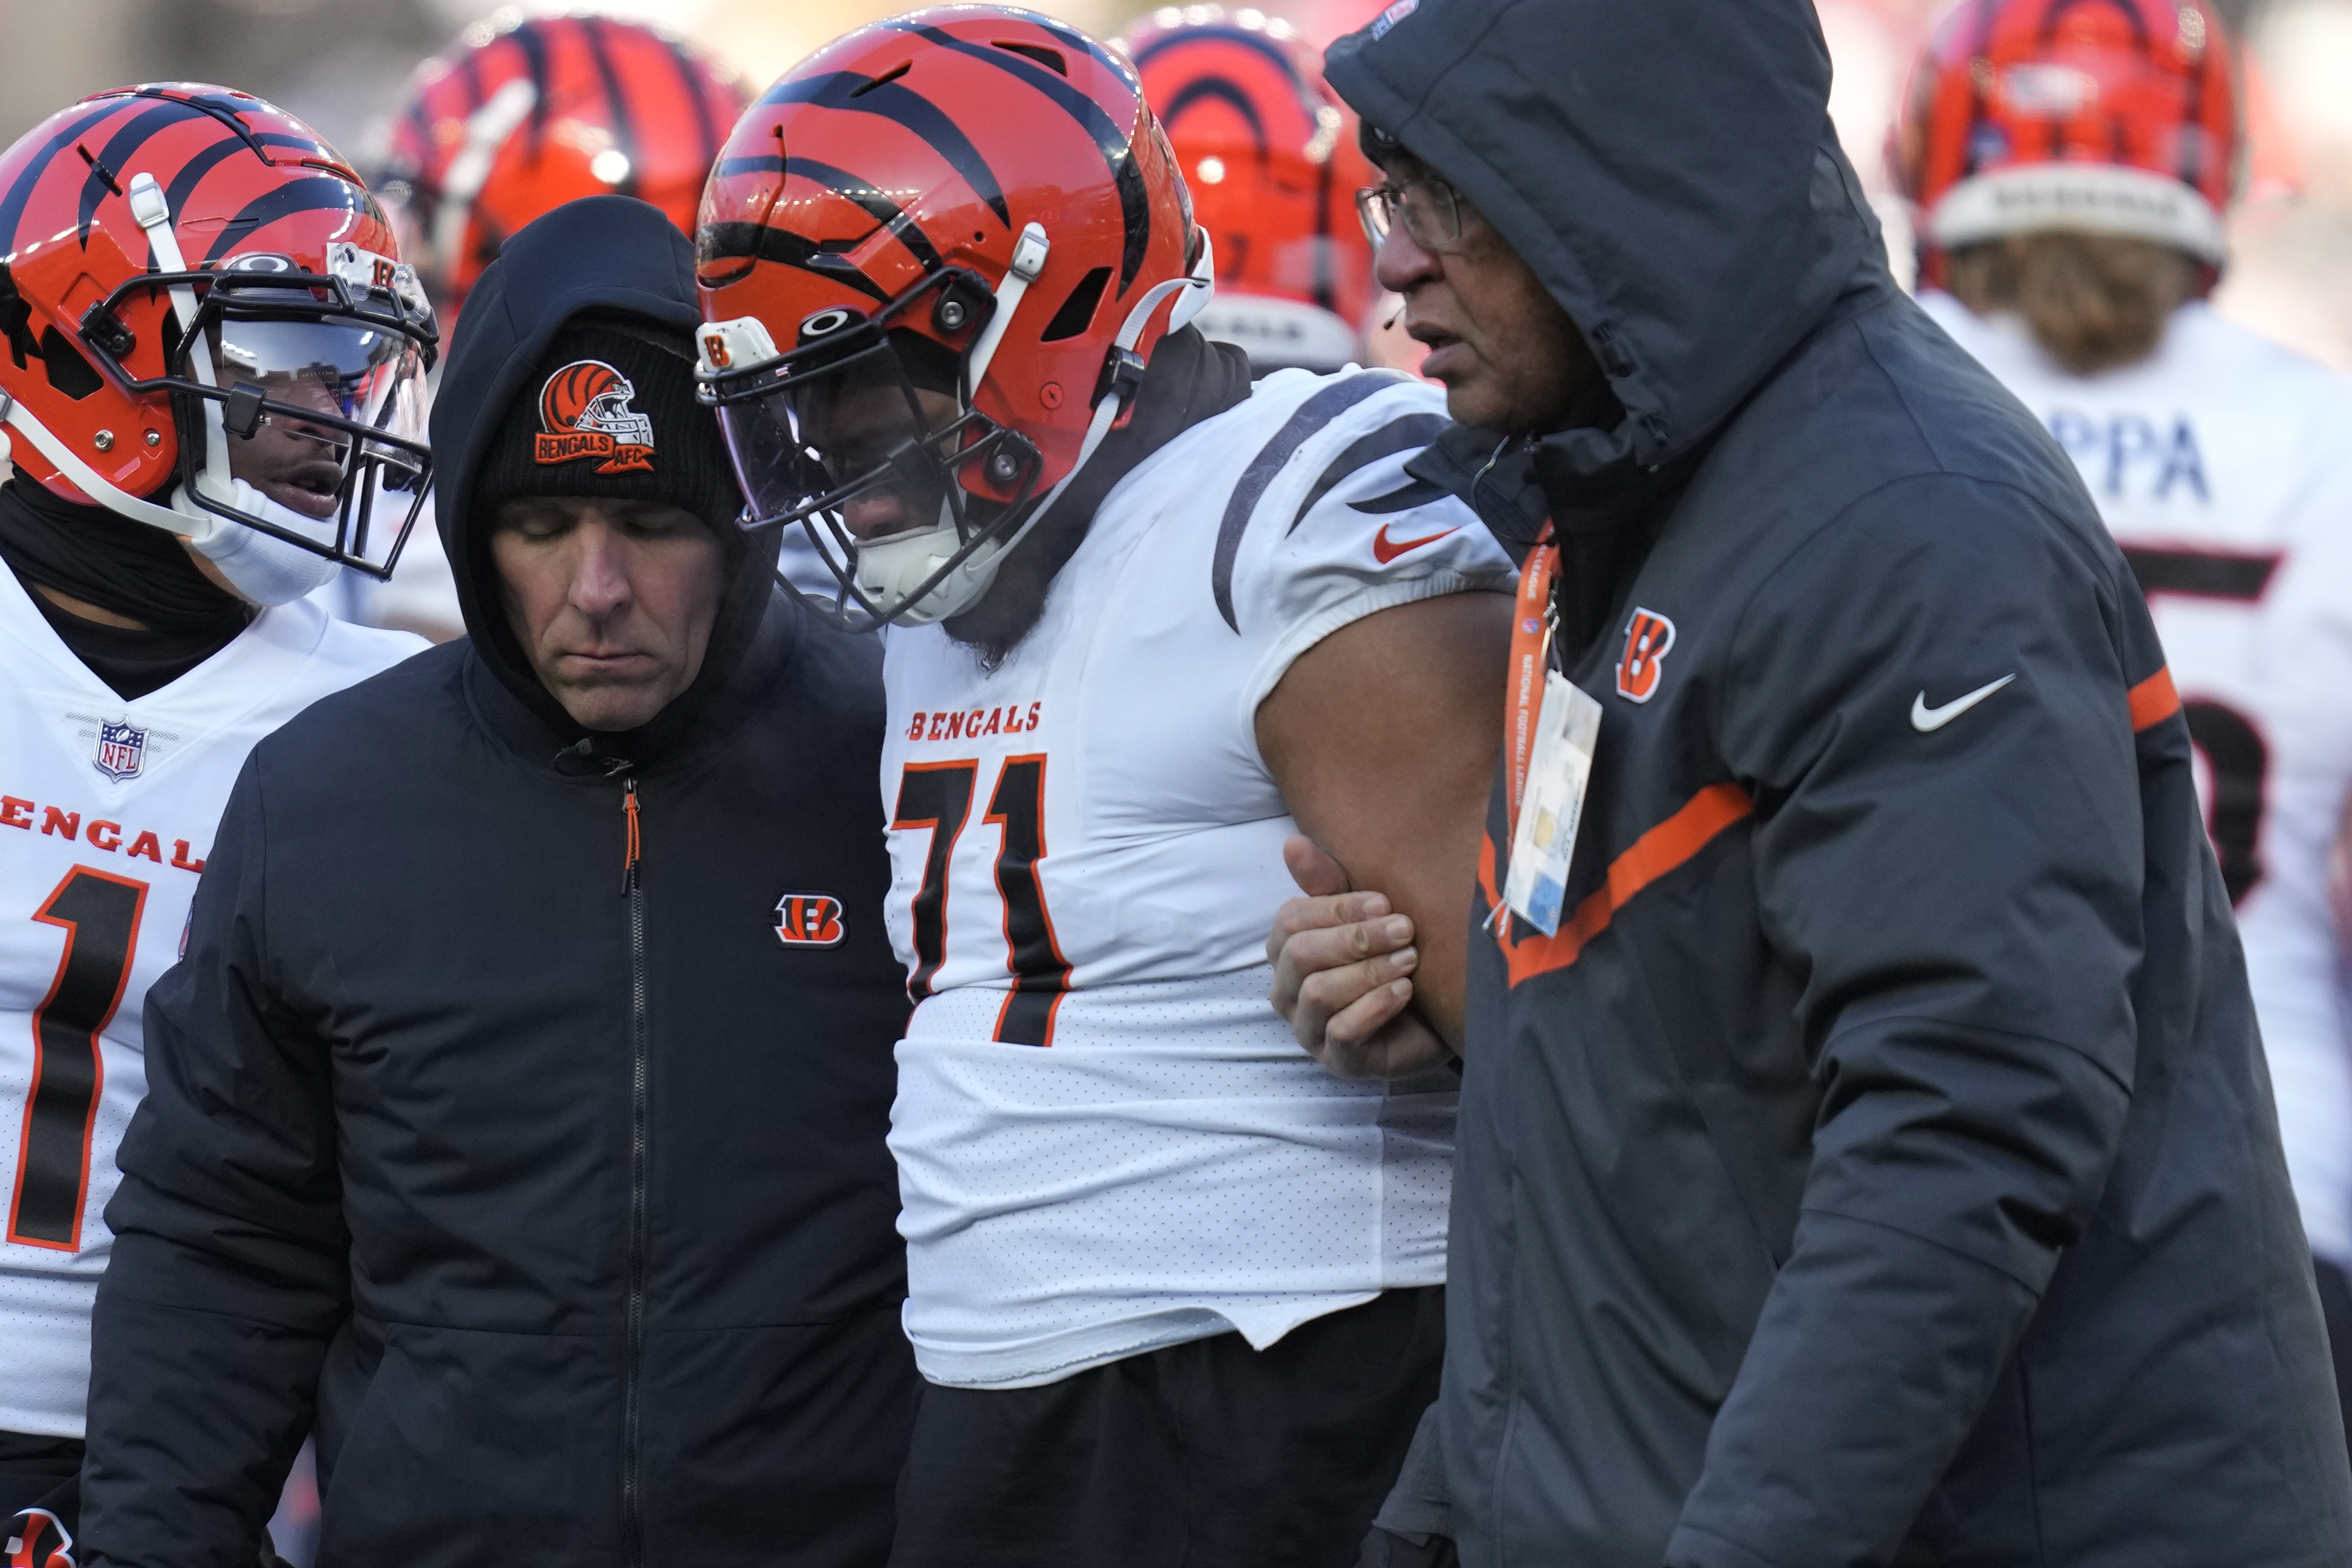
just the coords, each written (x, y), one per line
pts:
(1335, 530)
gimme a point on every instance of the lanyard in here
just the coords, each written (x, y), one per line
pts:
(1531, 629)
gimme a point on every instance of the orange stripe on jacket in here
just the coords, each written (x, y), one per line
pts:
(1652, 855)
(2154, 700)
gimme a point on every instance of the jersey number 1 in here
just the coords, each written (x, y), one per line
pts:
(937, 795)
(101, 914)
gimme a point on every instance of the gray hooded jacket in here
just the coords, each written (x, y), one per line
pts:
(1879, 1165)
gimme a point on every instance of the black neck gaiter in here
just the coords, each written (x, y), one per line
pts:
(131, 568)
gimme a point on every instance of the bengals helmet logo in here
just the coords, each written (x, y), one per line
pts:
(809, 920)
(583, 412)
(37, 1539)
(1649, 636)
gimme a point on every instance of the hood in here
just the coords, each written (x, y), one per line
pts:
(1668, 169)
(606, 255)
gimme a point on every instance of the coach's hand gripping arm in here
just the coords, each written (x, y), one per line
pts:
(231, 1268)
(1384, 738)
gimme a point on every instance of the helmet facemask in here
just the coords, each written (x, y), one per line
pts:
(314, 400)
(866, 434)
(856, 381)
(299, 399)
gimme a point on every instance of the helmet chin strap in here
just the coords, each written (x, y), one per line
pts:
(974, 576)
(1028, 260)
(153, 214)
(1193, 294)
(85, 478)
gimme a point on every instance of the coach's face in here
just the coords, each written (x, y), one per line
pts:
(1511, 359)
(611, 600)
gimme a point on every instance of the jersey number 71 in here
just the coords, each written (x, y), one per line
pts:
(936, 796)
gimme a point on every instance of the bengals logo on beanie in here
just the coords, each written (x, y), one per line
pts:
(607, 409)
(584, 412)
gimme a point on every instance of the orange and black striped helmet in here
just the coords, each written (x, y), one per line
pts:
(972, 203)
(517, 121)
(2115, 116)
(182, 265)
(1274, 168)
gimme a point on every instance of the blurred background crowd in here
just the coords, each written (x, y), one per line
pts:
(344, 66)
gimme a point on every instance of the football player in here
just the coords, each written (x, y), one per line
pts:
(1273, 167)
(211, 369)
(514, 122)
(2072, 166)
(1173, 1288)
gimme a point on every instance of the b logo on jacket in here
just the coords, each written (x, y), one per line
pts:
(1649, 637)
(809, 920)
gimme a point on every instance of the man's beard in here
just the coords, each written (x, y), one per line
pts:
(1016, 600)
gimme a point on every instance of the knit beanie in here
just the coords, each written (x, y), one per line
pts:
(609, 411)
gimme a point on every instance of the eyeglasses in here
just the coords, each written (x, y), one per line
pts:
(1428, 210)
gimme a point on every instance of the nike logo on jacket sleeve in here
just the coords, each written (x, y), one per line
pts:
(1925, 718)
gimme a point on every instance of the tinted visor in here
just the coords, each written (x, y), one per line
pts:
(855, 441)
(325, 416)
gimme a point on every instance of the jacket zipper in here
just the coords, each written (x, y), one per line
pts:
(632, 1508)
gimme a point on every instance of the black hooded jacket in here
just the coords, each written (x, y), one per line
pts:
(554, 1194)
(1879, 1165)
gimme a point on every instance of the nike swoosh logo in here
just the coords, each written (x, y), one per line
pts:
(1386, 549)
(1925, 718)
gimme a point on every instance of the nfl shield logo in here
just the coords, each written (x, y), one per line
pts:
(121, 747)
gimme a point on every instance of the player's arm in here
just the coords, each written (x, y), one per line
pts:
(231, 1268)
(1383, 738)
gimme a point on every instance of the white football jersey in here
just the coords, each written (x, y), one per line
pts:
(2223, 466)
(1107, 1142)
(107, 808)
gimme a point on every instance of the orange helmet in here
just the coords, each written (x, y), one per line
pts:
(520, 121)
(1274, 168)
(971, 204)
(181, 267)
(2118, 115)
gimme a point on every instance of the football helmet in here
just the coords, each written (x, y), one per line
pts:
(1274, 168)
(971, 205)
(203, 323)
(2121, 117)
(521, 119)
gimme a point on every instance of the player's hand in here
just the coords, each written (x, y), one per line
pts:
(1343, 963)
